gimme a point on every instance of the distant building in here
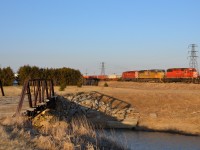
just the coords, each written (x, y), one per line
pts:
(15, 83)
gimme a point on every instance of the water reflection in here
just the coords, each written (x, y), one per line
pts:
(157, 141)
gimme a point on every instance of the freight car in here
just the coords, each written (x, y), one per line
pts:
(113, 77)
(99, 77)
(159, 75)
(90, 80)
(102, 77)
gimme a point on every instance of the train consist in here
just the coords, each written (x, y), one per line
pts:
(157, 75)
(188, 75)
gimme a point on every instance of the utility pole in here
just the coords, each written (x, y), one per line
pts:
(102, 69)
(193, 57)
(86, 72)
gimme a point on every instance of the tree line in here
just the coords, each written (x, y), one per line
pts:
(60, 76)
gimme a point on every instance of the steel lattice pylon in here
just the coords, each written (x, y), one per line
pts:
(193, 57)
(102, 68)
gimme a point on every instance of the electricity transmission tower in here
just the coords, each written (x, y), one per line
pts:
(193, 56)
(86, 73)
(102, 68)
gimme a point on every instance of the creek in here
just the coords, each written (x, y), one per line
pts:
(138, 140)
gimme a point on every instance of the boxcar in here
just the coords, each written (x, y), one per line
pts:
(181, 75)
(90, 80)
(155, 75)
(130, 76)
(102, 77)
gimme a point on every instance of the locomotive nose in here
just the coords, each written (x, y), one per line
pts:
(195, 74)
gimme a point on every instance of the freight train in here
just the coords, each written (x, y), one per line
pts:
(188, 75)
(158, 75)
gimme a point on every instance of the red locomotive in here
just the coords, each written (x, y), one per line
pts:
(181, 75)
(130, 75)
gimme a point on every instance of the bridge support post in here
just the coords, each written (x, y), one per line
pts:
(2, 92)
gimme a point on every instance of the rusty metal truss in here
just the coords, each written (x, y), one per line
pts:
(2, 91)
(40, 94)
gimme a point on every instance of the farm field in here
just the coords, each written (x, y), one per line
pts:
(173, 107)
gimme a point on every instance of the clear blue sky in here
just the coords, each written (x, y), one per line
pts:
(125, 34)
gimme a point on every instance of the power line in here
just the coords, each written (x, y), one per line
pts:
(86, 73)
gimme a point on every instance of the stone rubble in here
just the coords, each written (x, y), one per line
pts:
(100, 109)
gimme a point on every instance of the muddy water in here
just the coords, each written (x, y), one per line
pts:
(157, 141)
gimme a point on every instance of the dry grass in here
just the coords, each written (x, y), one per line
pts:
(12, 90)
(78, 134)
(81, 126)
(175, 105)
(20, 133)
(16, 134)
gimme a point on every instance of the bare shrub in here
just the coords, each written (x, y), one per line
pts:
(46, 142)
(62, 86)
(105, 84)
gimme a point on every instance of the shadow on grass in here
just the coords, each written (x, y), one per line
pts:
(103, 106)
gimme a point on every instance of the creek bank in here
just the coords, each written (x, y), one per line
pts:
(172, 131)
(92, 103)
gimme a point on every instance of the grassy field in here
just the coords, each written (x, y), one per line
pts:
(173, 107)
(162, 106)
